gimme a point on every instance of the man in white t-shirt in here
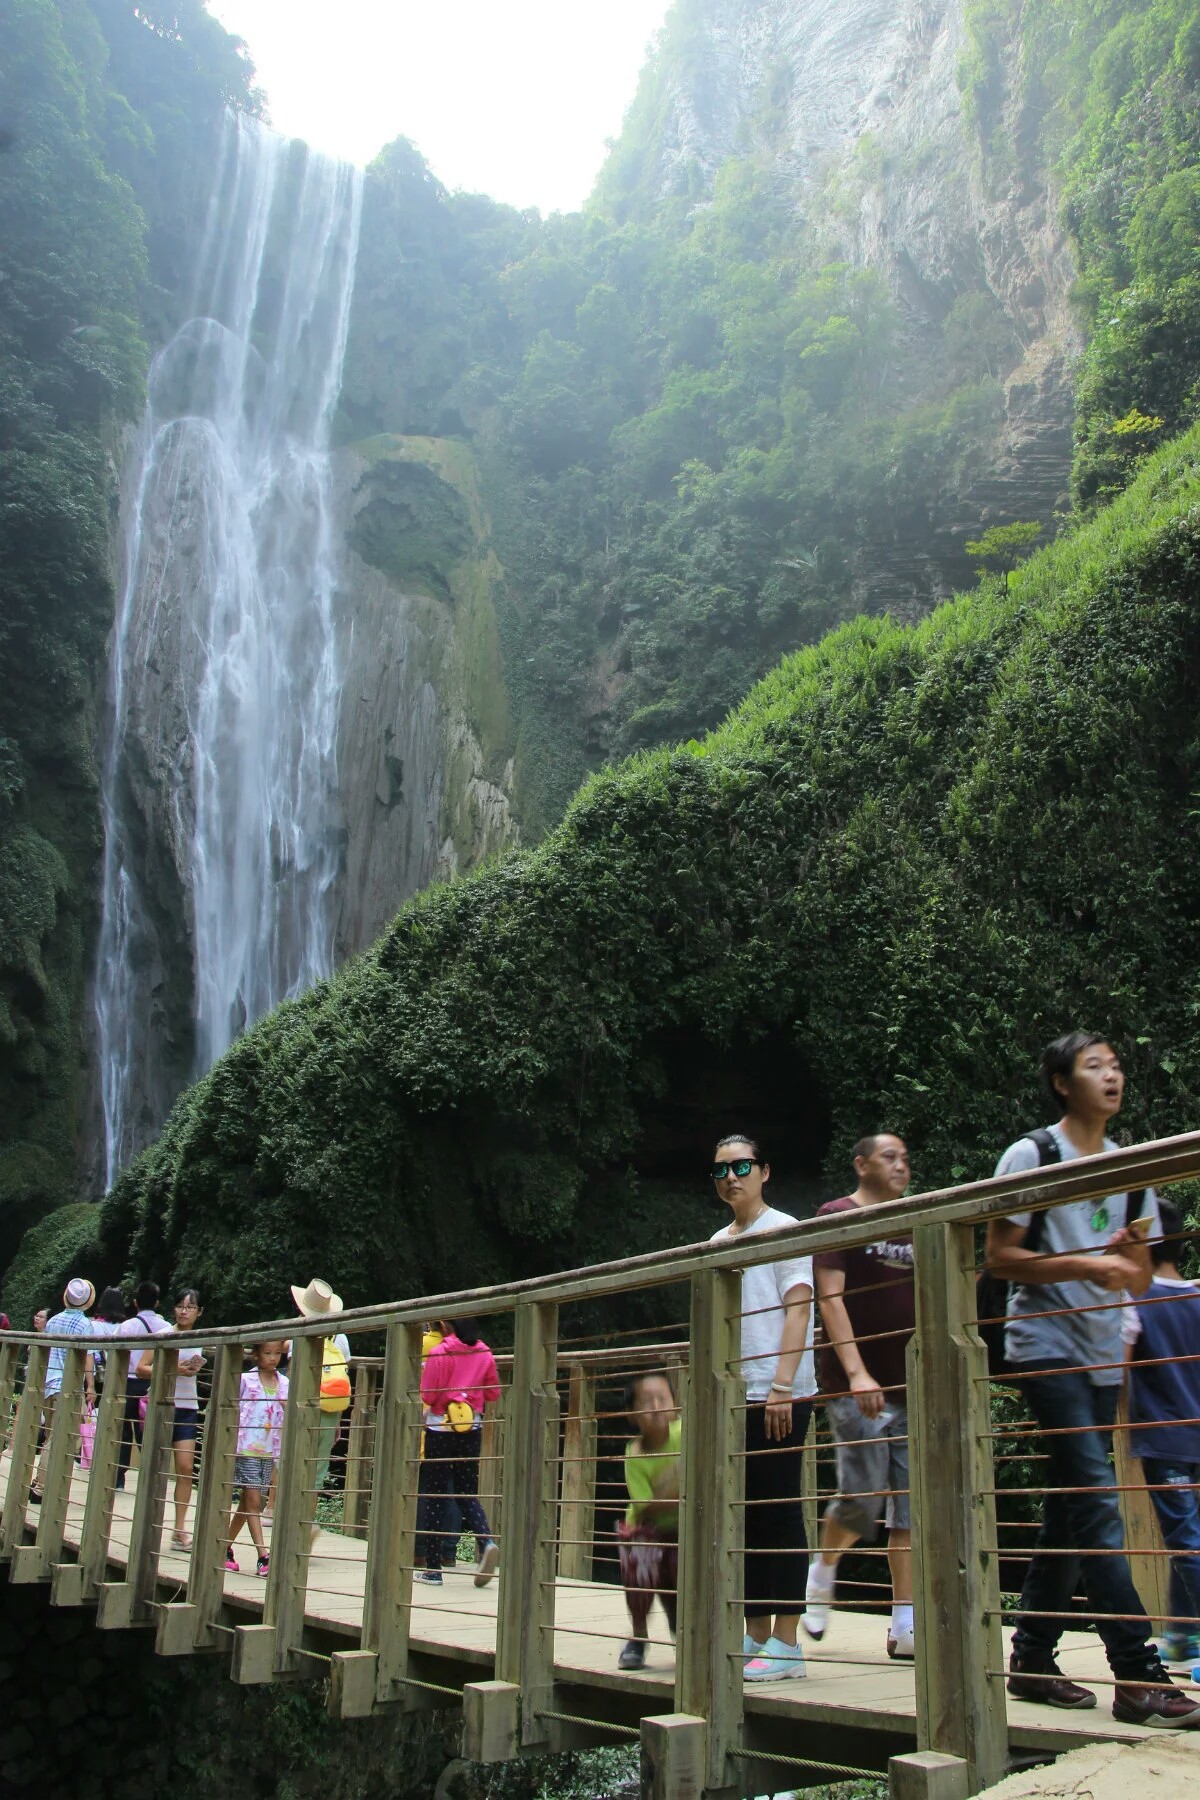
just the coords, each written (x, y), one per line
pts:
(777, 1366)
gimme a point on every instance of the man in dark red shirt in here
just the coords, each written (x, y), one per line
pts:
(868, 1313)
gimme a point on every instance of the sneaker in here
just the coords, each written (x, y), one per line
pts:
(432, 1576)
(776, 1661)
(749, 1646)
(901, 1646)
(35, 1496)
(1047, 1686)
(232, 1564)
(1155, 1702)
(1179, 1647)
(487, 1568)
(263, 1565)
(633, 1656)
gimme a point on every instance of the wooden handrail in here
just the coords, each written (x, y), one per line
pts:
(1082, 1178)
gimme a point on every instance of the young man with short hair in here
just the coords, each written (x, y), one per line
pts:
(1063, 1340)
(867, 1306)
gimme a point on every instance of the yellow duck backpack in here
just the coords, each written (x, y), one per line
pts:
(460, 1414)
(335, 1379)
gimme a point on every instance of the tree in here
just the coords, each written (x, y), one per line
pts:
(1006, 544)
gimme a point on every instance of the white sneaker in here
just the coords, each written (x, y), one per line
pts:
(901, 1646)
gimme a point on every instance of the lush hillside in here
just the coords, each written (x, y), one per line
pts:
(905, 860)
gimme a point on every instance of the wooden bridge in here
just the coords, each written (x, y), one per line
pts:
(532, 1659)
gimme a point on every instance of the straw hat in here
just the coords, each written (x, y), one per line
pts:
(317, 1299)
(79, 1293)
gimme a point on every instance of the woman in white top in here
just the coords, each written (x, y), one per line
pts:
(777, 1367)
(187, 1415)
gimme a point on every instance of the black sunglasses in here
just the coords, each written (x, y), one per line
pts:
(741, 1167)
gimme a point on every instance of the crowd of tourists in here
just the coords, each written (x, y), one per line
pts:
(1092, 1303)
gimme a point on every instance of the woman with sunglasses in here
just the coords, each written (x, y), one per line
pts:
(777, 1367)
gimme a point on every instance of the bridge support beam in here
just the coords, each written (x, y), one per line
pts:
(525, 1610)
(673, 1757)
(960, 1689)
(33, 1562)
(708, 1663)
(491, 1721)
(22, 1452)
(928, 1775)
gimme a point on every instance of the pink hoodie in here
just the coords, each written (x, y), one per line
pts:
(455, 1371)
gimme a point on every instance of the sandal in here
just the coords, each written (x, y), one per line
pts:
(182, 1540)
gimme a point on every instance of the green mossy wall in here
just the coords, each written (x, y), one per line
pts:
(906, 860)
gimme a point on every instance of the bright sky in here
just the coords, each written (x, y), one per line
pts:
(512, 98)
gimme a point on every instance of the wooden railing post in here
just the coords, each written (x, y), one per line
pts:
(960, 1689)
(10, 1364)
(192, 1624)
(577, 1513)
(524, 1680)
(23, 1452)
(491, 1464)
(77, 1583)
(708, 1663)
(264, 1652)
(33, 1562)
(359, 1461)
(376, 1673)
(124, 1603)
(1151, 1570)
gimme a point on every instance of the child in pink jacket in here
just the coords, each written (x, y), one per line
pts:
(458, 1380)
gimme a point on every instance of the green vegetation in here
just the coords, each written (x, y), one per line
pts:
(1006, 544)
(910, 856)
(104, 108)
(1105, 96)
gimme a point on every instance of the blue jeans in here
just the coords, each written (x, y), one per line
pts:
(1065, 1400)
(1178, 1509)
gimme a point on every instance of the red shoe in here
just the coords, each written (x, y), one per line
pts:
(1156, 1702)
(1047, 1686)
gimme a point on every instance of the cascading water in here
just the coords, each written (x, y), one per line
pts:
(219, 788)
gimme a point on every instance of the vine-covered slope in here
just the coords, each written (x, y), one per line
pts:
(911, 855)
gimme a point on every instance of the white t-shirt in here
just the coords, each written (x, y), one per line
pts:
(764, 1286)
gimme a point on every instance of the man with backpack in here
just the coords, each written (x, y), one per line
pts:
(1063, 1343)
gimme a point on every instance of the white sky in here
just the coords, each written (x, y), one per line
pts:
(512, 98)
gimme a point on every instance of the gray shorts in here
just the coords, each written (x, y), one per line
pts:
(253, 1472)
(872, 1462)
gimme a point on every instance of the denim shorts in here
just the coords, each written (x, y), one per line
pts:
(872, 1466)
(187, 1422)
(253, 1472)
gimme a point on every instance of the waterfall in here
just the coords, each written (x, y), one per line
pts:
(222, 829)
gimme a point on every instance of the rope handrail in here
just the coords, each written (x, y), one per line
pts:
(1082, 1178)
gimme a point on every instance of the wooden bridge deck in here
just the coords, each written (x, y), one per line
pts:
(854, 1706)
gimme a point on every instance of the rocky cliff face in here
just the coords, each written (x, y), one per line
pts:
(425, 767)
(859, 106)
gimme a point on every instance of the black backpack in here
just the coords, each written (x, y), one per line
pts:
(991, 1292)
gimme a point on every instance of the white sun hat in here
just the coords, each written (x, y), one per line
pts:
(317, 1299)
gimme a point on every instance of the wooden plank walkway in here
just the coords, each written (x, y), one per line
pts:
(852, 1691)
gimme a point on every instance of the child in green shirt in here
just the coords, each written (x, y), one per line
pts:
(649, 1534)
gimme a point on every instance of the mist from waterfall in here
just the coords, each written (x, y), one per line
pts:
(219, 787)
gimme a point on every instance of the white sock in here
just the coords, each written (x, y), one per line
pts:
(902, 1619)
(822, 1579)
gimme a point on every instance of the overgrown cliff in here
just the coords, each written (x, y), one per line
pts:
(911, 855)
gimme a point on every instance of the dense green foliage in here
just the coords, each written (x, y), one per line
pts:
(909, 857)
(1107, 94)
(102, 108)
(693, 426)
